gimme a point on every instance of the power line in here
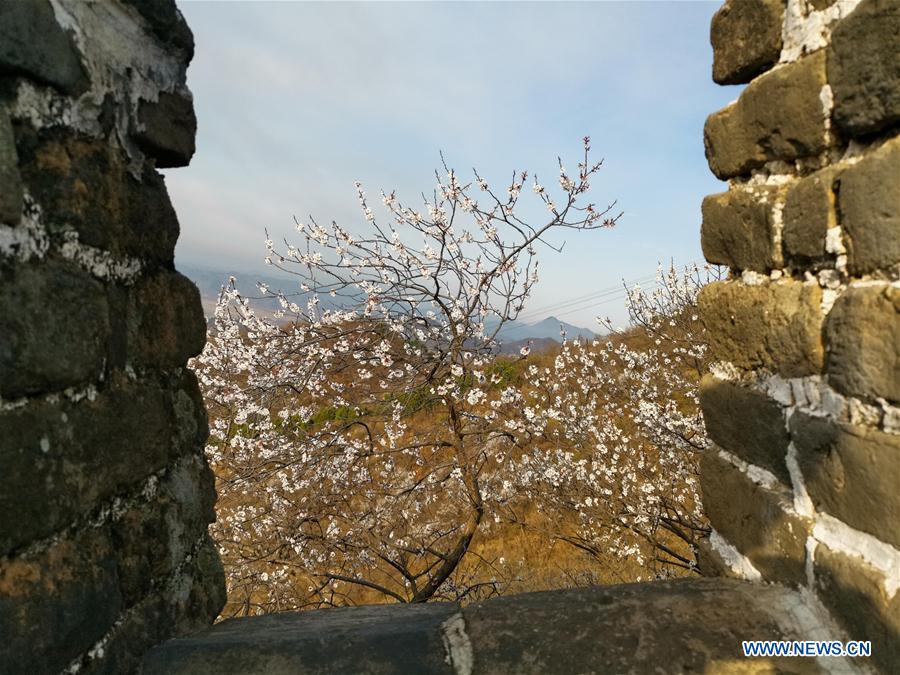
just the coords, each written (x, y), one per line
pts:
(618, 290)
(611, 294)
(622, 296)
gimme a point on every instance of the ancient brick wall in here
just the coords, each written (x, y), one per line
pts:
(105, 494)
(802, 400)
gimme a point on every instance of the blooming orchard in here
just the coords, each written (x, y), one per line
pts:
(624, 428)
(365, 435)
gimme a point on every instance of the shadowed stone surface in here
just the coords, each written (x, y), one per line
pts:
(169, 128)
(105, 492)
(32, 43)
(864, 68)
(166, 23)
(41, 308)
(870, 210)
(375, 639)
(83, 184)
(689, 625)
(758, 520)
(809, 211)
(855, 592)
(852, 473)
(746, 422)
(10, 181)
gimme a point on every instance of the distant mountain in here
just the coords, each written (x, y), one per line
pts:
(551, 327)
(513, 334)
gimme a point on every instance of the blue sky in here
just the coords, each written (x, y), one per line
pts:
(295, 101)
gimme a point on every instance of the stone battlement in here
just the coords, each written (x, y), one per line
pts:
(804, 392)
(105, 490)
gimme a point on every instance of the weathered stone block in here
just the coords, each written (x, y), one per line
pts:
(863, 336)
(746, 39)
(151, 539)
(852, 473)
(710, 562)
(166, 323)
(628, 628)
(747, 423)
(10, 181)
(198, 598)
(82, 183)
(869, 205)
(778, 116)
(772, 325)
(809, 211)
(864, 68)
(167, 24)
(855, 593)
(738, 230)
(759, 521)
(189, 408)
(168, 129)
(62, 459)
(33, 44)
(55, 326)
(57, 603)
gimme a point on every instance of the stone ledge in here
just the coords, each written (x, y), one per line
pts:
(687, 625)
(738, 230)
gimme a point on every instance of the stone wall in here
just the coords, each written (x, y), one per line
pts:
(803, 396)
(105, 494)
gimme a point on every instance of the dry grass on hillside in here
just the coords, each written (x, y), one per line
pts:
(504, 557)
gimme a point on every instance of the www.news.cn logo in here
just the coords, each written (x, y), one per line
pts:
(806, 648)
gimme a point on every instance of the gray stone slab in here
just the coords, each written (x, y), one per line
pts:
(378, 639)
(688, 625)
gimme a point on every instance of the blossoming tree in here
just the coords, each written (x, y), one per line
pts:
(625, 428)
(366, 433)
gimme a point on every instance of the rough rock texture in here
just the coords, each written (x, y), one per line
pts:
(855, 591)
(10, 181)
(746, 39)
(691, 625)
(168, 131)
(753, 131)
(84, 184)
(812, 155)
(809, 212)
(863, 335)
(851, 473)
(869, 208)
(772, 325)
(757, 519)
(33, 44)
(738, 230)
(864, 68)
(105, 492)
(746, 422)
